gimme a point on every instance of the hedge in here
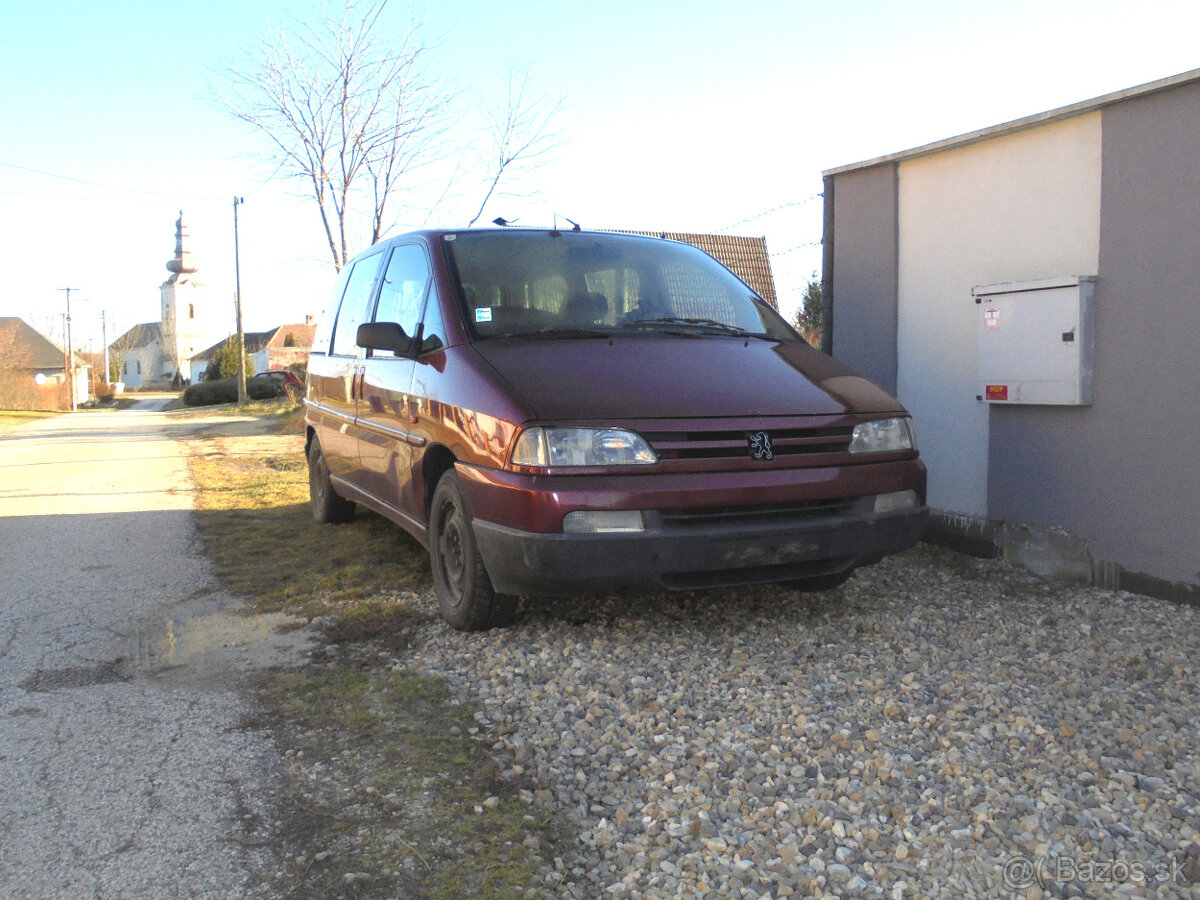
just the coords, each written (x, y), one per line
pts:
(225, 390)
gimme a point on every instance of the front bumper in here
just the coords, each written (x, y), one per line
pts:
(668, 557)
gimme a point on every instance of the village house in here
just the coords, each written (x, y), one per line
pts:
(33, 370)
(281, 347)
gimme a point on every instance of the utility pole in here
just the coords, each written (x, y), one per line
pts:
(70, 360)
(104, 338)
(237, 304)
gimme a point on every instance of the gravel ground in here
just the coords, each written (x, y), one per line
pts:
(939, 727)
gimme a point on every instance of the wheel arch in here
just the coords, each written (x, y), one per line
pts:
(436, 462)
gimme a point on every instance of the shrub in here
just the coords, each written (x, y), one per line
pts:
(225, 390)
(224, 362)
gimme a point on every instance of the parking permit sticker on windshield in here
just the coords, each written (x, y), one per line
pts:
(483, 314)
(991, 319)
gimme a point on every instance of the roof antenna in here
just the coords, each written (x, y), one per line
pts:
(501, 221)
(572, 221)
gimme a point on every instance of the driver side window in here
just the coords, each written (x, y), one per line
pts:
(404, 287)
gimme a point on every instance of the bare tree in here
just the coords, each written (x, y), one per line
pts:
(117, 351)
(348, 113)
(519, 130)
(353, 112)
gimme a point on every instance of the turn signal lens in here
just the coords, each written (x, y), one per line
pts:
(617, 521)
(885, 503)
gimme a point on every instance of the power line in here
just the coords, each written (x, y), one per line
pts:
(111, 187)
(773, 209)
(797, 247)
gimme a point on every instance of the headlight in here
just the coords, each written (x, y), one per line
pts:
(550, 447)
(884, 436)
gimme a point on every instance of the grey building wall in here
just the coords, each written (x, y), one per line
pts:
(865, 256)
(1124, 473)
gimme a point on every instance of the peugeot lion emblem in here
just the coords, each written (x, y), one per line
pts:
(760, 446)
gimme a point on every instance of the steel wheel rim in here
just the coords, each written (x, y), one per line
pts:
(451, 551)
(317, 480)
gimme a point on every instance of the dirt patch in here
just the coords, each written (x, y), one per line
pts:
(291, 424)
(46, 680)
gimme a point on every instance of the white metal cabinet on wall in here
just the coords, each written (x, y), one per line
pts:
(1036, 341)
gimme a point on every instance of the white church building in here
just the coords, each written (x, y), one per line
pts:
(161, 352)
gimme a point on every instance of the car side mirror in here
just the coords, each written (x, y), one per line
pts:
(384, 336)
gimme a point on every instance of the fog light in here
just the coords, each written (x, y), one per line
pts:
(899, 500)
(617, 521)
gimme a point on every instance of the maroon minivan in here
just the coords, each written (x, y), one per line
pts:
(561, 413)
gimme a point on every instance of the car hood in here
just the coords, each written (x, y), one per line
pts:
(669, 377)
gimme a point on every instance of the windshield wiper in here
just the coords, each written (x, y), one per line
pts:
(707, 324)
(565, 333)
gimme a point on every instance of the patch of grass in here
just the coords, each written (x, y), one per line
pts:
(258, 528)
(274, 408)
(21, 416)
(412, 801)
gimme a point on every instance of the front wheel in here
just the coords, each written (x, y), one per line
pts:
(464, 591)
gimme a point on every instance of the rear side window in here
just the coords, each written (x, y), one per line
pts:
(360, 288)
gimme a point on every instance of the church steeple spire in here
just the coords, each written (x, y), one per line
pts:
(182, 265)
(182, 330)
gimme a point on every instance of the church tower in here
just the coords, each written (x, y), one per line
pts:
(183, 327)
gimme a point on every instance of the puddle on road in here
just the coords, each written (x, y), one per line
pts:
(216, 645)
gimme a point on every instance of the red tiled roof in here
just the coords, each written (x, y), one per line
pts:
(302, 335)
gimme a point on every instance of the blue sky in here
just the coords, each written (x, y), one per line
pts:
(697, 116)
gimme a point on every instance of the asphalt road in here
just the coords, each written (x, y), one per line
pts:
(125, 769)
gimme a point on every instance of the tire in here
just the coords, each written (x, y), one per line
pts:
(464, 591)
(327, 507)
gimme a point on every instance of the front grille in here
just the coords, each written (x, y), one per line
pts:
(733, 444)
(752, 515)
(715, 578)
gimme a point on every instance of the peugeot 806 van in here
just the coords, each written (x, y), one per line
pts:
(568, 413)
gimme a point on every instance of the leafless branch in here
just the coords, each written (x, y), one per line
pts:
(348, 113)
(353, 113)
(520, 132)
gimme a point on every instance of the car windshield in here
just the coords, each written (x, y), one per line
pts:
(582, 285)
